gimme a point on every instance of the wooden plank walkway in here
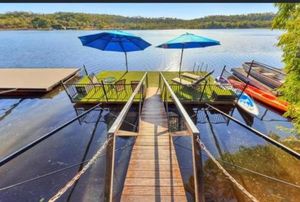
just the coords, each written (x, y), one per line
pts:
(153, 173)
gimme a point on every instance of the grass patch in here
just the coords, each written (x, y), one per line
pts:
(211, 91)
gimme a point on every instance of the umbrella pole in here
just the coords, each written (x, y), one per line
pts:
(180, 63)
(126, 61)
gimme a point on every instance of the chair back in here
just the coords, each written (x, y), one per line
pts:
(195, 83)
(120, 85)
(92, 77)
(134, 84)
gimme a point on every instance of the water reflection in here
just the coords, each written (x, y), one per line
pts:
(245, 155)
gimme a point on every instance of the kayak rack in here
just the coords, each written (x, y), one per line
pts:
(264, 136)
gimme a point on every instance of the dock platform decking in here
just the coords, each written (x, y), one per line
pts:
(204, 93)
(33, 79)
(153, 172)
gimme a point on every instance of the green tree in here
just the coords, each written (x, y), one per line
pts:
(288, 19)
(40, 23)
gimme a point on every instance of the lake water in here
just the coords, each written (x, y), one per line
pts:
(24, 120)
(64, 49)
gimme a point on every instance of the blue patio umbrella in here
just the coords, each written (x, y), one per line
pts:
(188, 40)
(117, 41)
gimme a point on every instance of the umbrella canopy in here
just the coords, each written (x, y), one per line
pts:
(117, 41)
(188, 40)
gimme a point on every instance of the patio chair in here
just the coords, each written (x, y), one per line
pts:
(120, 86)
(94, 81)
(134, 84)
(194, 83)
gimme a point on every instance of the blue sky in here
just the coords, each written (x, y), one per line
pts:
(179, 10)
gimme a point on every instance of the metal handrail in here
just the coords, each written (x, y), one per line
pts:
(189, 123)
(190, 126)
(117, 124)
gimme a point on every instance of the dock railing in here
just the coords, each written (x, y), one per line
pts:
(114, 129)
(193, 131)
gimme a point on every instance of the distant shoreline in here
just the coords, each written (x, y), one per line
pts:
(260, 28)
(83, 21)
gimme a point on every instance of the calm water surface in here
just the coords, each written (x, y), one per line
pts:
(23, 120)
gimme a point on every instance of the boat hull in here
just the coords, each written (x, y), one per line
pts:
(242, 75)
(261, 96)
(272, 78)
(245, 102)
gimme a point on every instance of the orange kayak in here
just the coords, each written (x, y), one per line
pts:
(261, 96)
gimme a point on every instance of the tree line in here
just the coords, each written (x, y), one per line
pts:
(67, 20)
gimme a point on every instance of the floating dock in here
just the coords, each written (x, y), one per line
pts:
(33, 80)
(153, 172)
(87, 92)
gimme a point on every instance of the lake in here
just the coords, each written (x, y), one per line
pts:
(40, 172)
(64, 49)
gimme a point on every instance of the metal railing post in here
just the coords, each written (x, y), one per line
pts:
(205, 84)
(111, 194)
(243, 91)
(85, 70)
(223, 70)
(250, 67)
(104, 91)
(65, 88)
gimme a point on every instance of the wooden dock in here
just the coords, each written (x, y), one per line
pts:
(153, 172)
(33, 80)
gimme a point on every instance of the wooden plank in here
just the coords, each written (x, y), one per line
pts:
(150, 174)
(174, 182)
(152, 190)
(180, 133)
(157, 197)
(153, 172)
(126, 133)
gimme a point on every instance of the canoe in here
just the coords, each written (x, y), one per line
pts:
(242, 75)
(270, 76)
(266, 98)
(245, 102)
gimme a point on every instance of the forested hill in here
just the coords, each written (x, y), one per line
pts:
(63, 20)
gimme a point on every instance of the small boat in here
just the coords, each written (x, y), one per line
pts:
(245, 101)
(266, 98)
(270, 76)
(242, 75)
